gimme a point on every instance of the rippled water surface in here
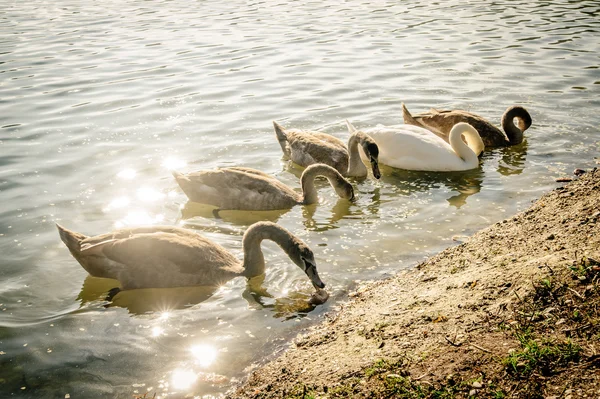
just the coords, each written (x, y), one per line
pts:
(100, 100)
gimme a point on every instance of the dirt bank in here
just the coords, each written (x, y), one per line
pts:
(513, 312)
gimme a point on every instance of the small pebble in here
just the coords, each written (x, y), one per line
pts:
(477, 385)
(473, 392)
(563, 180)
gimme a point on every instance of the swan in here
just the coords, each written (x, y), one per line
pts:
(252, 190)
(441, 122)
(165, 256)
(414, 148)
(309, 147)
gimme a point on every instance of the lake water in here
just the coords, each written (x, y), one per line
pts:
(101, 99)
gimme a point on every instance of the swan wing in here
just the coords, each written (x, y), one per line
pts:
(441, 122)
(414, 148)
(308, 148)
(238, 188)
(249, 170)
(162, 257)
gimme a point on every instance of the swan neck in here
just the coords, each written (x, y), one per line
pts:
(514, 133)
(254, 260)
(309, 192)
(356, 168)
(459, 146)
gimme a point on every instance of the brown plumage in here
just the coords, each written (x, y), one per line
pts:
(250, 189)
(163, 256)
(306, 148)
(441, 122)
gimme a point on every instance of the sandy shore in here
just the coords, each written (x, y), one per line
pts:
(512, 312)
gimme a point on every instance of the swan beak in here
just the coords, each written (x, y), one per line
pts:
(311, 272)
(375, 167)
(321, 285)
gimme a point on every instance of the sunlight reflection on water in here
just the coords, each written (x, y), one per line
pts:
(127, 174)
(172, 163)
(204, 355)
(149, 194)
(139, 218)
(183, 379)
(102, 99)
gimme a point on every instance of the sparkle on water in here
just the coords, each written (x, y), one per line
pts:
(204, 355)
(102, 100)
(183, 379)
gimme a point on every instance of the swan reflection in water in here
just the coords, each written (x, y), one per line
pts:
(293, 305)
(163, 300)
(463, 183)
(192, 210)
(512, 159)
(144, 300)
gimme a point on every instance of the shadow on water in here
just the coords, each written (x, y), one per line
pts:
(463, 183)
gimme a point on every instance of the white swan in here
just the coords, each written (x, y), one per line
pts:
(415, 148)
(252, 190)
(306, 147)
(163, 256)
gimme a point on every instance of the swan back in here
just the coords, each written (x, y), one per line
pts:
(415, 148)
(441, 122)
(306, 147)
(153, 257)
(237, 188)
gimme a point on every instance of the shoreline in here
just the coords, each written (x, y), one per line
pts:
(454, 325)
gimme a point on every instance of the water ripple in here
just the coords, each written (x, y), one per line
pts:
(95, 92)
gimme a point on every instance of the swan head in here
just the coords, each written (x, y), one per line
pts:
(369, 147)
(372, 152)
(344, 189)
(304, 258)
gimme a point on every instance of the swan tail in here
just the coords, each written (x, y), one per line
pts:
(409, 119)
(177, 175)
(71, 239)
(181, 179)
(282, 138)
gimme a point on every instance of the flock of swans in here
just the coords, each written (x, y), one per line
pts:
(166, 256)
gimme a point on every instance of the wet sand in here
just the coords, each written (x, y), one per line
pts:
(467, 321)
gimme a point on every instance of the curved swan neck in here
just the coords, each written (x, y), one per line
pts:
(254, 261)
(309, 192)
(459, 146)
(356, 168)
(514, 133)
